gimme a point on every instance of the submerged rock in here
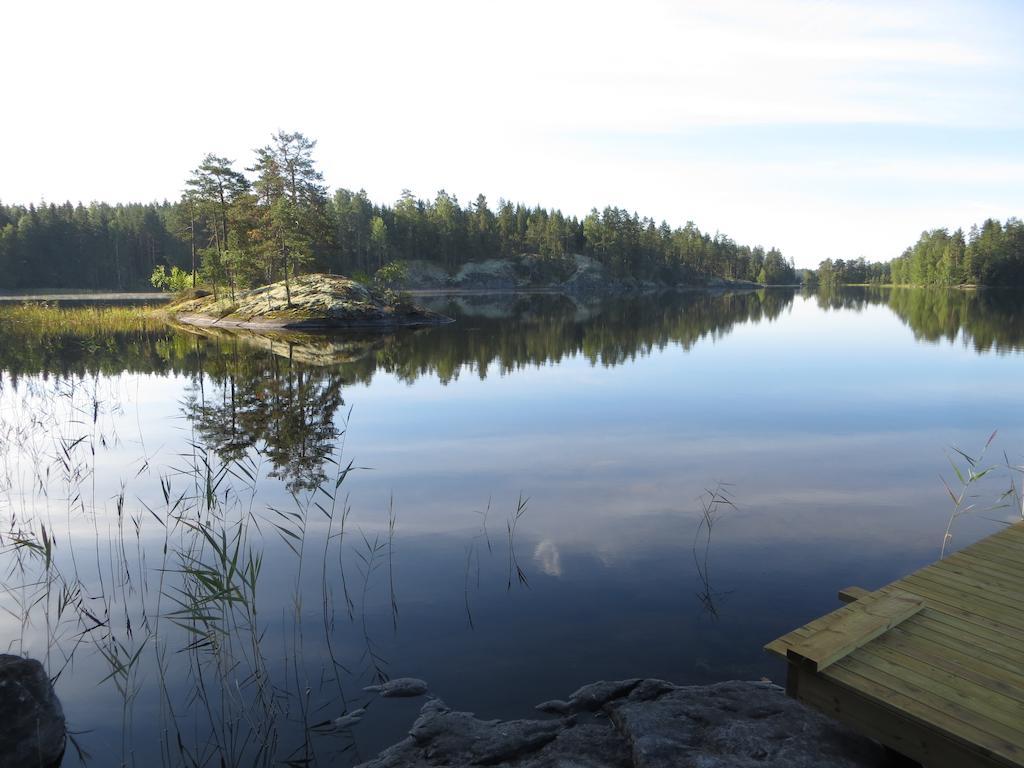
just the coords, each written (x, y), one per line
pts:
(347, 721)
(400, 687)
(649, 724)
(32, 733)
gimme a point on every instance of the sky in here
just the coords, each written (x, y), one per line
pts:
(827, 129)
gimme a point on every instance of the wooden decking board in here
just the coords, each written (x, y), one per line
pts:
(945, 689)
(995, 558)
(978, 574)
(1005, 569)
(961, 574)
(1003, 657)
(942, 601)
(1012, 532)
(908, 699)
(997, 550)
(968, 599)
(882, 694)
(977, 669)
(1013, 536)
(854, 628)
(956, 584)
(1008, 533)
(977, 560)
(980, 565)
(913, 737)
(1002, 641)
(944, 685)
(815, 625)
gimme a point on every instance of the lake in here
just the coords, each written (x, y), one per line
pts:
(215, 541)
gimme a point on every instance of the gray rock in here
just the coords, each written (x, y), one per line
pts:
(589, 698)
(650, 724)
(596, 695)
(400, 687)
(348, 721)
(442, 737)
(423, 275)
(493, 274)
(733, 725)
(554, 707)
(32, 732)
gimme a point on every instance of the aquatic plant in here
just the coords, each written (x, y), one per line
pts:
(969, 473)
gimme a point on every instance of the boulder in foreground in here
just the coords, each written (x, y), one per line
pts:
(32, 732)
(318, 301)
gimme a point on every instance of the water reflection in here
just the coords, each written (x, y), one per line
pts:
(284, 410)
(495, 334)
(984, 319)
(611, 417)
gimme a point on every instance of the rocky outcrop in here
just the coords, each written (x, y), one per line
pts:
(316, 302)
(640, 724)
(576, 275)
(490, 275)
(32, 733)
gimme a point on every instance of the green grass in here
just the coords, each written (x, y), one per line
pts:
(41, 319)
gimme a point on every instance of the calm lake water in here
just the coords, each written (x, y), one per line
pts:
(523, 512)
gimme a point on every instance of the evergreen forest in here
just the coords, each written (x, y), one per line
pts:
(241, 226)
(992, 254)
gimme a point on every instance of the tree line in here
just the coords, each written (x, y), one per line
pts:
(992, 254)
(852, 271)
(234, 227)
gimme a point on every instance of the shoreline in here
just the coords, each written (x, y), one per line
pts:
(635, 723)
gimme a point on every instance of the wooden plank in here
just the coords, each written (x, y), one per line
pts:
(780, 644)
(852, 630)
(1002, 641)
(981, 669)
(955, 622)
(887, 724)
(991, 710)
(995, 570)
(982, 549)
(970, 586)
(852, 594)
(951, 716)
(879, 690)
(1010, 544)
(1012, 532)
(1004, 589)
(957, 606)
(1010, 554)
(972, 599)
(1005, 656)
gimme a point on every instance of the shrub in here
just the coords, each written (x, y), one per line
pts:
(175, 281)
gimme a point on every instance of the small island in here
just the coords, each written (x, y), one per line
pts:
(307, 302)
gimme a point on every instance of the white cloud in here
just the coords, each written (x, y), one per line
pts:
(117, 100)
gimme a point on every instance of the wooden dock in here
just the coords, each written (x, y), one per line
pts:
(931, 665)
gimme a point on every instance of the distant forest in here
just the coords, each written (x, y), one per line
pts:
(276, 218)
(992, 254)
